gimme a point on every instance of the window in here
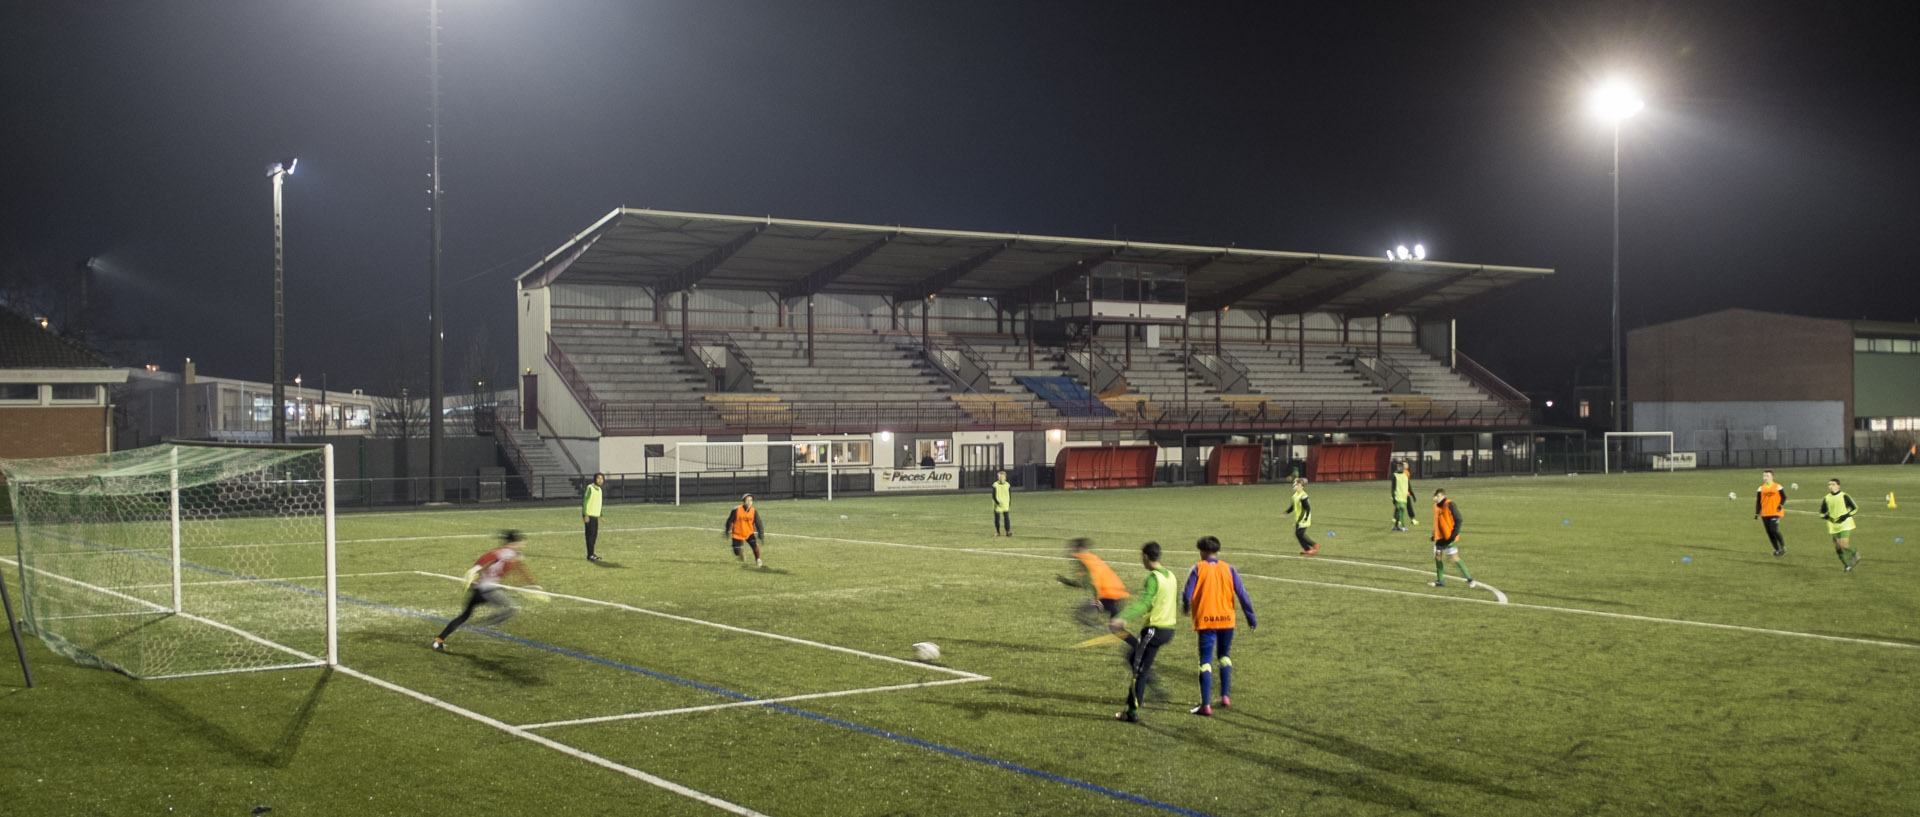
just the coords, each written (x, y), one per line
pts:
(1882, 344)
(1861, 345)
(20, 391)
(1903, 424)
(76, 391)
(1877, 424)
(1586, 409)
(933, 452)
(847, 453)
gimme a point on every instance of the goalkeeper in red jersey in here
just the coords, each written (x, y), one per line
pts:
(484, 580)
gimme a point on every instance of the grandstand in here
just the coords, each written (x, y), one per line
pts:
(652, 327)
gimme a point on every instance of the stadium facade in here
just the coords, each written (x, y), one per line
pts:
(905, 347)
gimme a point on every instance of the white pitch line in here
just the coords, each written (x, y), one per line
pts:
(759, 702)
(1499, 597)
(557, 746)
(269, 579)
(496, 535)
(776, 636)
(1504, 604)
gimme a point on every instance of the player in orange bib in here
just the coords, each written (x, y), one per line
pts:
(1768, 505)
(743, 528)
(1109, 593)
(1212, 587)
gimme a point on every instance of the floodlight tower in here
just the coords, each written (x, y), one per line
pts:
(278, 173)
(1614, 102)
(436, 357)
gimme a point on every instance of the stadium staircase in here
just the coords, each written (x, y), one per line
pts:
(631, 364)
(546, 474)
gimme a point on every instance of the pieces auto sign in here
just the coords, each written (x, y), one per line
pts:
(916, 479)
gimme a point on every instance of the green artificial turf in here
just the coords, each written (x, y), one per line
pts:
(1653, 657)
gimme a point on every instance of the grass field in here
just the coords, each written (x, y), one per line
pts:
(1635, 649)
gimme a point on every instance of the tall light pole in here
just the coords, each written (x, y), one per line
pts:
(279, 173)
(436, 424)
(1614, 102)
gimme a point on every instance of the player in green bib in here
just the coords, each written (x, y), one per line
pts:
(1002, 502)
(1402, 498)
(590, 503)
(1160, 600)
(1301, 510)
(1838, 509)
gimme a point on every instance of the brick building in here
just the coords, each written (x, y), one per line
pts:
(1744, 387)
(53, 394)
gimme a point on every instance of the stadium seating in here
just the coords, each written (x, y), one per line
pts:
(631, 364)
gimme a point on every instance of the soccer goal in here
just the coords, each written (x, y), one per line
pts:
(697, 457)
(1606, 453)
(180, 559)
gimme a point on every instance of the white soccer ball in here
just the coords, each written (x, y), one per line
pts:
(1729, 494)
(926, 650)
(1795, 486)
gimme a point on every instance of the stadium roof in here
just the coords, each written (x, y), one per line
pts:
(671, 251)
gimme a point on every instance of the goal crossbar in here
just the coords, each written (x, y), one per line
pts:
(677, 470)
(1606, 449)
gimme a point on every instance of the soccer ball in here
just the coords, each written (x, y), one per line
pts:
(1795, 486)
(1729, 494)
(926, 650)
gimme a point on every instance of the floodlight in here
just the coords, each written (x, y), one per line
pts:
(1400, 252)
(1420, 252)
(1615, 101)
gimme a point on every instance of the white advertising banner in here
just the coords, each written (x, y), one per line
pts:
(916, 479)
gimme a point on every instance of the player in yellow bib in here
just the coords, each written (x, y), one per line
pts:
(1301, 509)
(1160, 600)
(1002, 504)
(1402, 498)
(1838, 509)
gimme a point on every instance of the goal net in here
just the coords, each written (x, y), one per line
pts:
(180, 559)
(1642, 449)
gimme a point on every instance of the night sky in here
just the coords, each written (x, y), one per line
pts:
(1774, 168)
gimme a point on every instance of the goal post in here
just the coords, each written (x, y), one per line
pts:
(679, 461)
(1606, 453)
(180, 559)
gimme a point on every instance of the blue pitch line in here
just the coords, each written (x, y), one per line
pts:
(739, 696)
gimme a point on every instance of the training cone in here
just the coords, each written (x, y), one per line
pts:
(1890, 502)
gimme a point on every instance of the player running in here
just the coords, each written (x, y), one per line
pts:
(1162, 607)
(485, 577)
(743, 528)
(1302, 511)
(1109, 593)
(1838, 509)
(1211, 588)
(1767, 505)
(1446, 539)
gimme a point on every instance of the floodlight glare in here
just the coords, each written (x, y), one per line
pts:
(1400, 252)
(1615, 101)
(1420, 252)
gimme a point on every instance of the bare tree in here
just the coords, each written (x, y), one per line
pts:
(402, 411)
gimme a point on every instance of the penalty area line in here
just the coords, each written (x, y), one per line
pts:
(628, 716)
(557, 746)
(963, 674)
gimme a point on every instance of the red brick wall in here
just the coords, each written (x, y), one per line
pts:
(52, 431)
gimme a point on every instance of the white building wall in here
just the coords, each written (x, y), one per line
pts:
(1746, 426)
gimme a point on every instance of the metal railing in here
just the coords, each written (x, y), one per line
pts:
(503, 439)
(575, 382)
(960, 362)
(1223, 370)
(735, 369)
(1383, 372)
(1490, 383)
(859, 417)
(1091, 362)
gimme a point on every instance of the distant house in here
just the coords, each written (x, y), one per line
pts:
(53, 393)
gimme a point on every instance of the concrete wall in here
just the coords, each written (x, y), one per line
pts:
(1739, 354)
(1746, 425)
